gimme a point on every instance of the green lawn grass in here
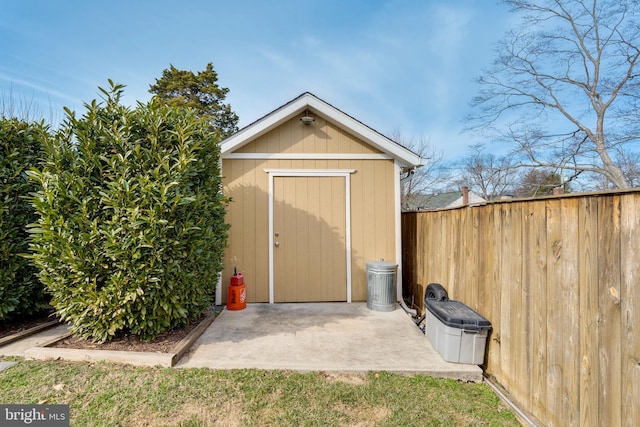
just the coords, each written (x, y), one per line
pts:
(102, 394)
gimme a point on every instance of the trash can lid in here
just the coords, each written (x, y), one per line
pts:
(382, 264)
(457, 315)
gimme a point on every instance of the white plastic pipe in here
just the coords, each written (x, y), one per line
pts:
(219, 289)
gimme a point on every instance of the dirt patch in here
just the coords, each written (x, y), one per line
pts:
(347, 378)
(227, 414)
(368, 415)
(23, 324)
(164, 343)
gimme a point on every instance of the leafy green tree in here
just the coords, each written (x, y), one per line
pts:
(131, 233)
(199, 91)
(21, 292)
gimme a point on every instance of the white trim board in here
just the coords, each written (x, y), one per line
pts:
(307, 156)
(398, 228)
(346, 173)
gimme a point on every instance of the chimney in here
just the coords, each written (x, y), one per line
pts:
(558, 190)
(465, 195)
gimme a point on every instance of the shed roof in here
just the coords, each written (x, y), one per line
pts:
(310, 102)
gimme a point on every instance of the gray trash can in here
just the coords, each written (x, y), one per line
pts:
(381, 280)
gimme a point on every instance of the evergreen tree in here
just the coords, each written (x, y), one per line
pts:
(540, 182)
(201, 92)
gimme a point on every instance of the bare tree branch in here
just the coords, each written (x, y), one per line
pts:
(564, 86)
(489, 175)
(425, 179)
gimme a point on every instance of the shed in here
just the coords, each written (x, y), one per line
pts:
(315, 195)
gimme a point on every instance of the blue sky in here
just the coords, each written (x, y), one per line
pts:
(397, 65)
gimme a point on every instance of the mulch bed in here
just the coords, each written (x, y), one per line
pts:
(19, 325)
(163, 344)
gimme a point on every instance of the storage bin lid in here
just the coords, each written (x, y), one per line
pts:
(457, 315)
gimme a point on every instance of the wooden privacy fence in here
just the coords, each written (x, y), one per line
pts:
(558, 279)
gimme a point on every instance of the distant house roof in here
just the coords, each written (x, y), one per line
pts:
(450, 199)
(307, 101)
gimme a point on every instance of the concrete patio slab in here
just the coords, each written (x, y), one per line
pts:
(336, 337)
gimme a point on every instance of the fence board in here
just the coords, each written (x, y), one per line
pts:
(464, 239)
(513, 263)
(589, 362)
(570, 315)
(555, 307)
(452, 251)
(419, 259)
(439, 247)
(630, 304)
(609, 327)
(409, 254)
(492, 238)
(484, 267)
(473, 242)
(502, 294)
(536, 267)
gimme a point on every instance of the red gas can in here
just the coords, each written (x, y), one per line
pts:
(237, 295)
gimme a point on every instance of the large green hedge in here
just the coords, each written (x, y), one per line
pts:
(131, 232)
(21, 293)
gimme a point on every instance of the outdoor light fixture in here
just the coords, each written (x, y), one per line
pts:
(307, 119)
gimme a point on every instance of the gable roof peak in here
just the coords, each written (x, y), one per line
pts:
(309, 101)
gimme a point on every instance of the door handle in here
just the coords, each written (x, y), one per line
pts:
(277, 244)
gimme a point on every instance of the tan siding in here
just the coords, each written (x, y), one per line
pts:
(294, 137)
(372, 218)
(248, 214)
(360, 237)
(248, 236)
